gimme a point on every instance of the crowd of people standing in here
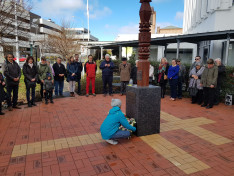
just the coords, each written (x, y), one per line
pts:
(205, 81)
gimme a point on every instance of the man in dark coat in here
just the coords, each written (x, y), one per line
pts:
(221, 77)
(12, 72)
(107, 67)
(60, 72)
(80, 69)
(134, 73)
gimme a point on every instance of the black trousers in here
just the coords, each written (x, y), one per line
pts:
(163, 89)
(12, 100)
(209, 94)
(49, 95)
(180, 84)
(0, 106)
(123, 86)
(107, 80)
(198, 98)
(41, 91)
(217, 93)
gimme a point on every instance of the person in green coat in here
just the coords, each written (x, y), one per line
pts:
(209, 82)
(43, 69)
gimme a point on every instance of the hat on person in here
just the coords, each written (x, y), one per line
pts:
(116, 102)
(124, 59)
(210, 61)
(178, 60)
(107, 55)
(43, 58)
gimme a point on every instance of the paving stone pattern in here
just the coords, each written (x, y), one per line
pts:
(64, 139)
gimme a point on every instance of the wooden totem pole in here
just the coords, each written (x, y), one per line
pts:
(144, 44)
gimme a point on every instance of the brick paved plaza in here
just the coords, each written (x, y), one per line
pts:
(64, 139)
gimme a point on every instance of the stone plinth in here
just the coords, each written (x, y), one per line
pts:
(143, 104)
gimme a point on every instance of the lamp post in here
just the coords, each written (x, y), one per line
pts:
(144, 44)
(31, 47)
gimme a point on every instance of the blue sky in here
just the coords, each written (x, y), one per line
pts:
(108, 18)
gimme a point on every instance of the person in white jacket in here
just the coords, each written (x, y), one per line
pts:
(151, 74)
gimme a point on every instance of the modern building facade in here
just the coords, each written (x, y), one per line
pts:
(31, 33)
(211, 16)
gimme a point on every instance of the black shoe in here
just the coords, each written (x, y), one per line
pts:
(204, 105)
(94, 94)
(111, 95)
(179, 97)
(16, 107)
(34, 104)
(46, 102)
(87, 95)
(29, 105)
(193, 102)
(51, 101)
(1, 113)
(209, 107)
(121, 94)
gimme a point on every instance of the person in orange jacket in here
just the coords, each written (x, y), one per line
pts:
(90, 70)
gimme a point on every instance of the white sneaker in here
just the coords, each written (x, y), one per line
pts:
(112, 142)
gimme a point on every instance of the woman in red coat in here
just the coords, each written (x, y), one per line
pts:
(90, 70)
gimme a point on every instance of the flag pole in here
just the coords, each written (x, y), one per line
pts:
(88, 18)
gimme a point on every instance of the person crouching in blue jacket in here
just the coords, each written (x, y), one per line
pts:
(110, 127)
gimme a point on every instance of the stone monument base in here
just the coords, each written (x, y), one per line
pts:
(143, 104)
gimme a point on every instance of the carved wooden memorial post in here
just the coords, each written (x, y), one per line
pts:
(143, 100)
(144, 44)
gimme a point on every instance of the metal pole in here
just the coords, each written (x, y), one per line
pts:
(120, 52)
(101, 52)
(31, 50)
(178, 49)
(227, 49)
(88, 18)
(16, 36)
(165, 51)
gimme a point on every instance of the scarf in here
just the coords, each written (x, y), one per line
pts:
(161, 69)
(31, 65)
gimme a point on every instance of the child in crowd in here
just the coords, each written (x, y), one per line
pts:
(2, 92)
(48, 88)
(110, 127)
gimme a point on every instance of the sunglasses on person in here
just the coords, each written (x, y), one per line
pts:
(197, 59)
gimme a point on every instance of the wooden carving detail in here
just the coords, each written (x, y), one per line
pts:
(144, 42)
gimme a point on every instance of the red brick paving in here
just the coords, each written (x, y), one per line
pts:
(79, 116)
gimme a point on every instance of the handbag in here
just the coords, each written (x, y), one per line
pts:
(193, 90)
(30, 84)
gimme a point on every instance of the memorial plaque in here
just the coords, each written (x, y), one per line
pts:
(139, 75)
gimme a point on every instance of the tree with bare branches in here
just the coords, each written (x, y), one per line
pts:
(63, 42)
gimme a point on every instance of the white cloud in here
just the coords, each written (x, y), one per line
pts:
(129, 29)
(179, 16)
(99, 13)
(57, 8)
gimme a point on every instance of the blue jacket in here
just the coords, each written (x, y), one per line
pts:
(112, 123)
(173, 72)
(72, 68)
(107, 71)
